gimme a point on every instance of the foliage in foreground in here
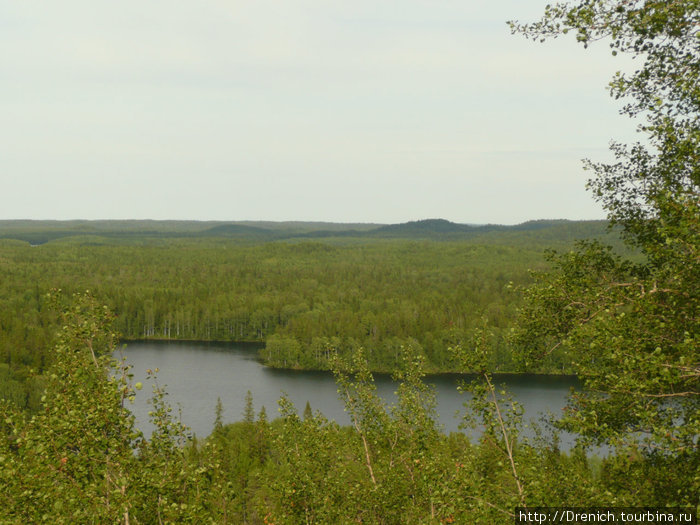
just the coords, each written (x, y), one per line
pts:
(80, 459)
(631, 328)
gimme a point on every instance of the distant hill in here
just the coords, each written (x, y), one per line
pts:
(426, 226)
(234, 229)
(309, 227)
(549, 231)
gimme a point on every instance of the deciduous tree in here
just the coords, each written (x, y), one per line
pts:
(631, 327)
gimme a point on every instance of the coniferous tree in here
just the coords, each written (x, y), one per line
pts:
(248, 411)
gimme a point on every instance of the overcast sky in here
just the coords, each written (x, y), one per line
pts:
(323, 110)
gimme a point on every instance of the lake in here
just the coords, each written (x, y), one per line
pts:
(195, 374)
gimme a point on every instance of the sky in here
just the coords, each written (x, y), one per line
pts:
(313, 110)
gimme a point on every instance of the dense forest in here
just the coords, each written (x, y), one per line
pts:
(306, 299)
(80, 459)
(413, 298)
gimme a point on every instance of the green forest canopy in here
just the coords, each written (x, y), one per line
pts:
(301, 296)
(628, 325)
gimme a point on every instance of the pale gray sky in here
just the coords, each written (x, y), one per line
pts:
(347, 111)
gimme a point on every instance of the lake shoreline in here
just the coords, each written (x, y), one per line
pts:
(259, 345)
(197, 375)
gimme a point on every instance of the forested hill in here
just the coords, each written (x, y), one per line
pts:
(302, 289)
(40, 232)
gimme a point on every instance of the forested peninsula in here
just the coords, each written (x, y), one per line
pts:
(306, 291)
